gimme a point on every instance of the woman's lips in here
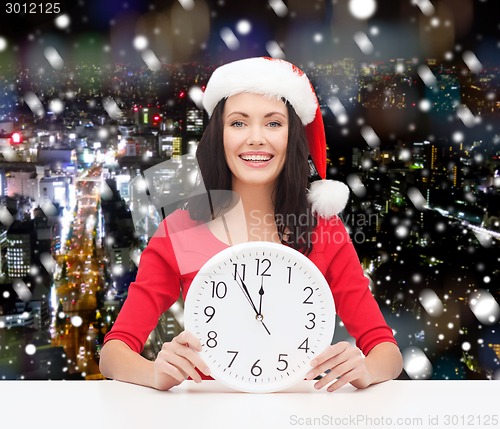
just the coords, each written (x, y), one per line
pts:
(258, 160)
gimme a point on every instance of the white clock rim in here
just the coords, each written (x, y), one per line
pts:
(224, 255)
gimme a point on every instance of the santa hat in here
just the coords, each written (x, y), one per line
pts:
(279, 78)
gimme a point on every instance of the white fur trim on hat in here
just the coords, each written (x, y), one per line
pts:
(328, 197)
(266, 76)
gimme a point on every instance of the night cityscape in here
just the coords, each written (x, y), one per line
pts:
(98, 98)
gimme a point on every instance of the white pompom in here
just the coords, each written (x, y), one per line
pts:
(328, 197)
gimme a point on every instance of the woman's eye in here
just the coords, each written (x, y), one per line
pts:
(237, 124)
(274, 124)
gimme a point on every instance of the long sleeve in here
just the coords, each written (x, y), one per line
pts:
(156, 288)
(355, 305)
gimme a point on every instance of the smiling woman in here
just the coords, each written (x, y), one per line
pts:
(263, 144)
(255, 140)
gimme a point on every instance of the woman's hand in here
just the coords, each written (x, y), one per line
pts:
(178, 360)
(344, 364)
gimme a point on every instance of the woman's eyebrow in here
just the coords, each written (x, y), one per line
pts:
(274, 113)
(267, 115)
(245, 115)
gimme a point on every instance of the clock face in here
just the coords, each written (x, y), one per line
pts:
(262, 311)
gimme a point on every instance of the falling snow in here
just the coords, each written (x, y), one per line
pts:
(364, 43)
(430, 267)
(472, 62)
(370, 136)
(362, 9)
(274, 49)
(229, 38)
(279, 7)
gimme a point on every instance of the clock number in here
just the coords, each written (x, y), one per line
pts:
(240, 272)
(306, 301)
(263, 262)
(311, 320)
(280, 359)
(289, 274)
(219, 290)
(209, 312)
(212, 342)
(234, 357)
(305, 345)
(256, 370)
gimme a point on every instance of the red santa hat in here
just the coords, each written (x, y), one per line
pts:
(279, 78)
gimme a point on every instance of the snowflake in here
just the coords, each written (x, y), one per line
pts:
(3, 44)
(30, 349)
(56, 106)
(279, 7)
(484, 307)
(140, 42)
(472, 62)
(356, 185)
(196, 94)
(416, 364)
(62, 21)
(370, 136)
(187, 4)
(34, 103)
(364, 43)
(53, 57)
(229, 38)
(243, 27)
(76, 321)
(431, 302)
(274, 49)
(424, 105)
(362, 9)
(151, 60)
(426, 75)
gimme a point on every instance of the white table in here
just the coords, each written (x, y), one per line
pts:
(116, 405)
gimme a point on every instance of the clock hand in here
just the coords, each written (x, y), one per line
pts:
(261, 293)
(244, 288)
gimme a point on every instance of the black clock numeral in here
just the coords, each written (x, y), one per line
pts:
(281, 360)
(306, 301)
(313, 317)
(305, 345)
(256, 370)
(239, 272)
(289, 274)
(234, 357)
(219, 290)
(212, 342)
(262, 266)
(209, 312)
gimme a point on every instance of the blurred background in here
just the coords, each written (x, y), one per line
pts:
(101, 100)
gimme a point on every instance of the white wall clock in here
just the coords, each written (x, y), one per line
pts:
(262, 311)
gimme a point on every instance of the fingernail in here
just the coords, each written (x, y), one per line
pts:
(206, 371)
(314, 362)
(309, 376)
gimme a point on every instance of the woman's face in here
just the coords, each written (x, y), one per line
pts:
(255, 138)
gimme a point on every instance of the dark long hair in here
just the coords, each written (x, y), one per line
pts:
(292, 210)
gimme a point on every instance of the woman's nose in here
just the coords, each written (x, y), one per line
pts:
(256, 136)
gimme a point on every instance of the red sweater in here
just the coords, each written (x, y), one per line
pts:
(164, 274)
